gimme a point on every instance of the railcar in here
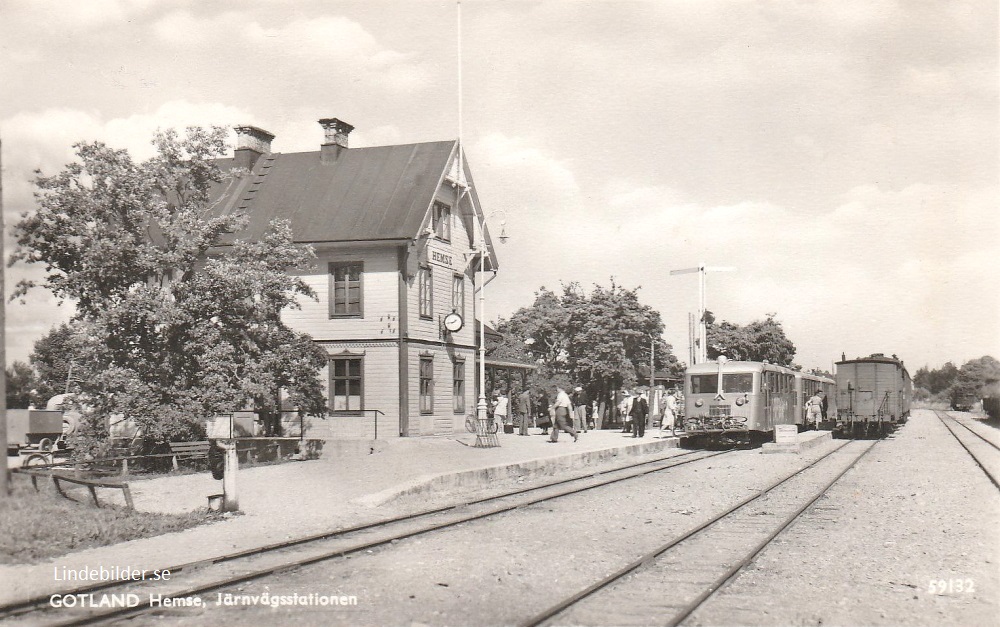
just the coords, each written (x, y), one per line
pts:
(963, 401)
(742, 401)
(991, 405)
(873, 395)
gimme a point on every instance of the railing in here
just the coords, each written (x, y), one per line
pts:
(346, 424)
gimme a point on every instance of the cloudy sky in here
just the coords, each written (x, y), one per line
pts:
(842, 156)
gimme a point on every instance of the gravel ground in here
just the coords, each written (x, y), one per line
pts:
(914, 512)
(325, 495)
(504, 569)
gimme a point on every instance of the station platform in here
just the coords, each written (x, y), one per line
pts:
(374, 473)
(293, 499)
(804, 441)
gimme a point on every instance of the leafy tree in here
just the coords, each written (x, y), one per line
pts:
(52, 360)
(542, 328)
(599, 340)
(758, 341)
(936, 381)
(171, 326)
(611, 334)
(973, 378)
(20, 382)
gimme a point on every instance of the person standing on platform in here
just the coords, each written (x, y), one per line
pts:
(669, 418)
(580, 401)
(639, 411)
(625, 411)
(501, 410)
(824, 405)
(814, 410)
(543, 410)
(524, 410)
(563, 408)
(595, 413)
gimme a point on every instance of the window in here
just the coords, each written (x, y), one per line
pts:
(458, 294)
(346, 384)
(442, 221)
(345, 289)
(426, 385)
(703, 383)
(458, 386)
(738, 383)
(426, 293)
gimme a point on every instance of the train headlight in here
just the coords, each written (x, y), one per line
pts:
(740, 401)
(699, 403)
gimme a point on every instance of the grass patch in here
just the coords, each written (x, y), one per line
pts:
(39, 525)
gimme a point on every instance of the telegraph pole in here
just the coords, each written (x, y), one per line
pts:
(702, 339)
(5, 488)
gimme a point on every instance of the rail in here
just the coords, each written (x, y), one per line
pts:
(976, 458)
(590, 481)
(650, 557)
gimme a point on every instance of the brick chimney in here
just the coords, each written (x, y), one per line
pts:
(335, 134)
(251, 143)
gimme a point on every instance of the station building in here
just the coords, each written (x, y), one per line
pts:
(397, 231)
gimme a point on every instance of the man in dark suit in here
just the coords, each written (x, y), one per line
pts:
(580, 402)
(639, 411)
(524, 407)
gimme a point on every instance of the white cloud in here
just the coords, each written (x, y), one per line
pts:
(334, 46)
(44, 139)
(902, 271)
(58, 14)
(518, 158)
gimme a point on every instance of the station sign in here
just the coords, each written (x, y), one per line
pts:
(786, 434)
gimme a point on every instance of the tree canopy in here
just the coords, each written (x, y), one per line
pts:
(937, 380)
(20, 382)
(600, 340)
(959, 386)
(172, 325)
(758, 341)
(974, 377)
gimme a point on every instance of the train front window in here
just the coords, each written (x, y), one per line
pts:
(731, 383)
(738, 383)
(704, 383)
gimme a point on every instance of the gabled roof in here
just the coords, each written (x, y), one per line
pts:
(381, 193)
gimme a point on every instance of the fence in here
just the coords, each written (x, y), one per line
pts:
(362, 425)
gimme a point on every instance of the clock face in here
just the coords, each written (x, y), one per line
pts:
(453, 322)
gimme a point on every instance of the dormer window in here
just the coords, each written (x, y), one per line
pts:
(442, 221)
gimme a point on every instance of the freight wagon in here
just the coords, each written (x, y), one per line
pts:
(873, 395)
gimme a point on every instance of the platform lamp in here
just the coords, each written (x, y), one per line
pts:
(481, 405)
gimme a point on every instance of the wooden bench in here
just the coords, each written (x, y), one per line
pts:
(188, 450)
(90, 484)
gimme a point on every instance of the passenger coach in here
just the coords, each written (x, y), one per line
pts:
(742, 401)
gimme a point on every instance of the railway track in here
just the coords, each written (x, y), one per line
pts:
(236, 568)
(983, 450)
(669, 583)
